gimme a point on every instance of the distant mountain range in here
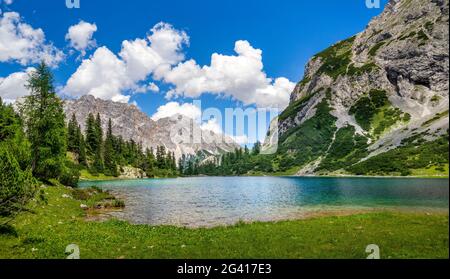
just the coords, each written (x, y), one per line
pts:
(129, 122)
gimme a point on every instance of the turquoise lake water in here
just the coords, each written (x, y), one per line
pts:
(211, 201)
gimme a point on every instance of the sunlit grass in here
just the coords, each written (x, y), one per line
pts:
(433, 171)
(48, 229)
(86, 175)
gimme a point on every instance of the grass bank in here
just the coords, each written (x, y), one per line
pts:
(86, 175)
(49, 228)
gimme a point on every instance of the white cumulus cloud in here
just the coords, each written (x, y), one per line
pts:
(80, 36)
(160, 56)
(174, 108)
(151, 87)
(240, 76)
(103, 76)
(108, 76)
(13, 87)
(212, 125)
(20, 42)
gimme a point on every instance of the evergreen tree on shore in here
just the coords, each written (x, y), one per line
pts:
(109, 157)
(44, 116)
(173, 163)
(149, 162)
(92, 139)
(98, 129)
(82, 158)
(17, 186)
(94, 142)
(72, 135)
(161, 157)
(12, 135)
(257, 148)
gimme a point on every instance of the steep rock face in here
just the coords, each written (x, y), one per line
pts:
(175, 133)
(384, 85)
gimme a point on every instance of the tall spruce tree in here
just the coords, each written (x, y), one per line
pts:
(257, 148)
(181, 164)
(91, 135)
(72, 135)
(98, 163)
(82, 158)
(12, 135)
(109, 156)
(99, 130)
(149, 163)
(10, 123)
(161, 157)
(17, 187)
(46, 129)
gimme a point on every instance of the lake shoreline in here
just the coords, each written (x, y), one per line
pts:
(107, 215)
(45, 233)
(308, 214)
(288, 176)
(208, 202)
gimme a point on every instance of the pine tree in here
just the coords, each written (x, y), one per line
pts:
(119, 149)
(109, 157)
(10, 123)
(12, 135)
(140, 156)
(161, 157)
(17, 187)
(149, 165)
(174, 162)
(91, 135)
(94, 143)
(181, 164)
(72, 136)
(246, 151)
(46, 129)
(99, 130)
(256, 148)
(190, 167)
(97, 164)
(168, 161)
(82, 159)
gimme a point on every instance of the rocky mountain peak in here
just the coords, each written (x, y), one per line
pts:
(388, 83)
(129, 122)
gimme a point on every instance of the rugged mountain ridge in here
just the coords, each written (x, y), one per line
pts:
(129, 122)
(371, 94)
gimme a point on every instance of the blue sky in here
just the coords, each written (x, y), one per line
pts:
(287, 32)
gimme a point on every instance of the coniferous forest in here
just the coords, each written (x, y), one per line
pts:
(36, 146)
(105, 153)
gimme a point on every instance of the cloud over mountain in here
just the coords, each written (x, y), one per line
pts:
(240, 76)
(112, 77)
(160, 56)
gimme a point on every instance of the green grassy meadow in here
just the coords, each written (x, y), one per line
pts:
(45, 231)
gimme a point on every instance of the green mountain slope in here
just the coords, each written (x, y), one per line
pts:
(376, 103)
